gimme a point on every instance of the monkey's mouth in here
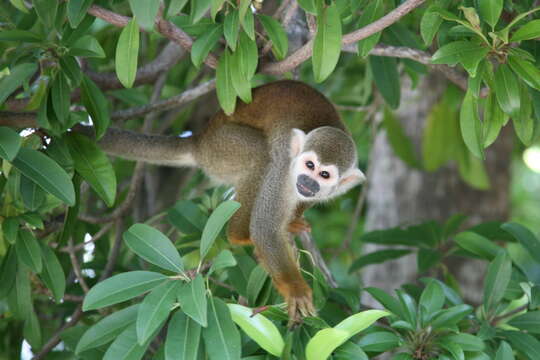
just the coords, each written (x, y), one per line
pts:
(304, 190)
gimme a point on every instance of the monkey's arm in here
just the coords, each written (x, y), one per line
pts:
(154, 149)
(272, 212)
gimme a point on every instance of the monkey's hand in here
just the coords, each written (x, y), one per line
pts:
(298, 296)
(299, 225)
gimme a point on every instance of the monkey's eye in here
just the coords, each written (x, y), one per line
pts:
(324, 174)
(310, 165)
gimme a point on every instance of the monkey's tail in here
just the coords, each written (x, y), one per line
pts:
(154, 149)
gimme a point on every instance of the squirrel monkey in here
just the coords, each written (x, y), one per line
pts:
(283, 152)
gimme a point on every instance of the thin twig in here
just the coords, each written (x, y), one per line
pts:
(76, 266)
(115, 251)
(55, 339)
(102, 231)
(309, 245)
(497, 319)
(305, 52)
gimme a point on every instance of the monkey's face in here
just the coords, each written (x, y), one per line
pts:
(313, 180)
(316, 180)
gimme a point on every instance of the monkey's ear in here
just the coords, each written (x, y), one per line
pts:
(298, 139)
(350, 179)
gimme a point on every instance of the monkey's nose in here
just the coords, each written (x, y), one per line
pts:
(307, 186)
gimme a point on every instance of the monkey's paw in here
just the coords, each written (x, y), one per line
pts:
(299, 225)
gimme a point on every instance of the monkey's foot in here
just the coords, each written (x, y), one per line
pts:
(240, 241)
(300, 307)
(299, 225)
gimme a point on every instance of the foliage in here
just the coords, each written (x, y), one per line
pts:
(168, 285)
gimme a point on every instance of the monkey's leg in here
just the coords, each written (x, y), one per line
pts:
(299, 223)
(238, 231)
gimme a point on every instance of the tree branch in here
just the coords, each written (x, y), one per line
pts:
(164, 27)
(305, 52)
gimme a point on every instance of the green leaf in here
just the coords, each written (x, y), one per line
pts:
(19, 4)
(524, 123)
(126, 347)
(20, 298)
(248, 55)
(52, 274)
(127, 51)
(121, 287)
(494, 119)
(386, 300)
(497, 280)
(308, 5)
(204, 44)
(107, 328)
(530, 30)
(327, 43)
(154, 247)
(18, 75)
(379, 341)
(525, 343)
(215, 223)
(87, 46)
(507, 90)
(256, 281)
(10, 143)
(249, 25)
(96, 105)
(221, 337)
(224, 86)
(471, 126)
(173, 7)
(231, 27)
(324, 342)
(386, 78)
(526, 71)
(454, 349)
(216, 6)
(457, 51)
(145, 12)
(94, 166)
(258, 328)
(525, 237)
(467, 342)
(504, 352)
(46, 173)
(243, 6)
(46, 11)
(432, 298)
(198, 9)
(490, 10)
(10, 229)
(401, 144)
(8, 267)
(155, 309)
(76, 11)
(377, 257)
(451, 316)
(192, 298)
(527, 322)
(278, 36)
(19, 35)
(28, 251)
(477, 244)
(70, 67)
(224, 260)
(183, 338)
(32, 331)
(350, 351)
(373, 11)
(431, 21)
(32, 195)
(187, 217)
(360, 321)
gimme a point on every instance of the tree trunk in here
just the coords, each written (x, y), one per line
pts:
(399, 195)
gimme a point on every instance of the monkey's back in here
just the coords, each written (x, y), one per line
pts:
(283, 105)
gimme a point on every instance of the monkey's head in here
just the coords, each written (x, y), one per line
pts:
(323, 163)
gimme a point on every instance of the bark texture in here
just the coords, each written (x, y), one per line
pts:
(399, 195)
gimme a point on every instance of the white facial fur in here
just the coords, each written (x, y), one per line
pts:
(331, 183)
